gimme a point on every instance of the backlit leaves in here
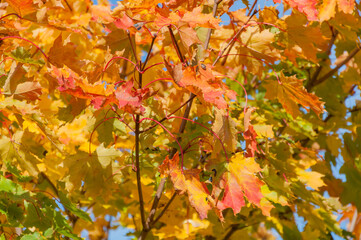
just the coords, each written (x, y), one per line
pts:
(22, 7)
(110, 85)
(241, 183)
(290, 92)
(187, 182)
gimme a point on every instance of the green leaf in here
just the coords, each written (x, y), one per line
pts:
(72, 208)
(107, 155)
(105, 129)
(6, 185)
(20, 54)
(49, 233)
(34, 236)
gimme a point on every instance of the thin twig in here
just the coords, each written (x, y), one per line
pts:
(231, 231)
(253, 6)
(179, 53)
(132, 47)
(160, 189)
(170, 114)
(71, 10)
(149, 52)
(220, 54)
(137, 144)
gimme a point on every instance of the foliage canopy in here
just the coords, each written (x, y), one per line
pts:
(157, 117)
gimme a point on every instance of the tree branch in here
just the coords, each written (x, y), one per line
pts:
(164, 209)
(179, 53)
(312, 81)
(160, 189)
(181, 130)
(132, 47)
(137, 145)
(149, 52)
(170, 114)
(220, 54)
(209, 33)
(338, 66)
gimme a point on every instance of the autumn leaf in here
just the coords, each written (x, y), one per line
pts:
(101, 13)
(22, 7)
(250, 134)
(188, 36)
(123, 22)
(308, 7)
(203, 82)
(197, 19)
(187, 182)
(225, 128)
(128, 98)
(240, 183)
(328, 8)
(290, 92)
(28, 91)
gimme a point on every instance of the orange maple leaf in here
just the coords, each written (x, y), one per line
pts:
(201, 81)
(22, 7)
(240, 182)
(187, 182)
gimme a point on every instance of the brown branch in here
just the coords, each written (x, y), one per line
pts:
(149, 52)
(253, 6)
(220, 54)
(137, 163)
(68, 5)
(209, 33)
(236, 227)
(164, 209)
(338, 66)
(170, 114)
(160, 189)
(230, 232)
(312, 81)
(132, 47)
(137, 145)
(179, 53)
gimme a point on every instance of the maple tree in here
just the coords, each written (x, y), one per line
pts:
(156, 117)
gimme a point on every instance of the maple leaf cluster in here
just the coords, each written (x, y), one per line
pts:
(162, 117)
